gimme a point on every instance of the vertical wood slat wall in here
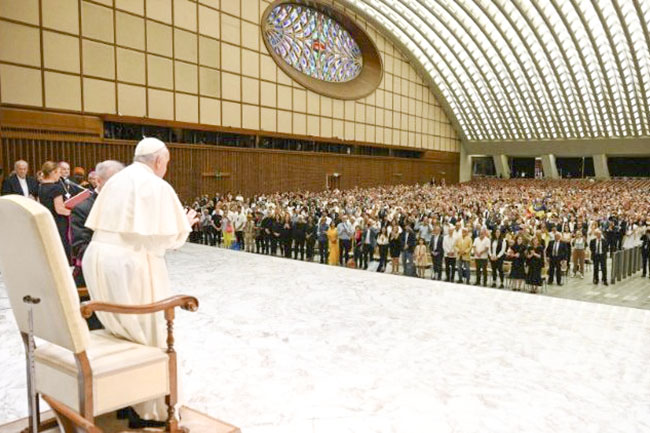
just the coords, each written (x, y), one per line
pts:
(39, 136)
(251, 170)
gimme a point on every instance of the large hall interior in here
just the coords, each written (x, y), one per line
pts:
(367, 216)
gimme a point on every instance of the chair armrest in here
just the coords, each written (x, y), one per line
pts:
(188, 303)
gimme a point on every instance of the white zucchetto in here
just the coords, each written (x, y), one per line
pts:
(148, 145)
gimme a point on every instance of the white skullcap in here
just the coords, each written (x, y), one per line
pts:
(148, 145)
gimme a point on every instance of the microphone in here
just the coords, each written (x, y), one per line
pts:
(76, 185)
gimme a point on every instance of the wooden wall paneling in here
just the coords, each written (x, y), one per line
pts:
(251, 170)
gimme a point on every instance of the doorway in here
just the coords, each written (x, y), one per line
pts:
(333, 181)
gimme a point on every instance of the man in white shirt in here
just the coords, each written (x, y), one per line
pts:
(19, 183)
(239, 222)
(346, 232)
(481, 248)
(448, 245)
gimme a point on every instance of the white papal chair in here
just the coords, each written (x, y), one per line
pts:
(90, 372)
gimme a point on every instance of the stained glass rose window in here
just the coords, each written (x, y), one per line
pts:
(313, 43)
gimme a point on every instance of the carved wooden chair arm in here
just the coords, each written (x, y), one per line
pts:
(188, 303)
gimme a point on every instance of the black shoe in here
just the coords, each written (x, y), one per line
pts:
(501, 286)
(135, 422)
(124, 413)
(605, 283)
(494, 285)
(595, 281)
(477, 283)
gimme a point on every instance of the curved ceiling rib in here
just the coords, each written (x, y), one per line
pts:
(528, 69)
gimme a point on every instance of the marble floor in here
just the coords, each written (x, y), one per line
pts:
(286, 346)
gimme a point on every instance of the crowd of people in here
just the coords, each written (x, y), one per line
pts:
(525, 230)
(52, 186)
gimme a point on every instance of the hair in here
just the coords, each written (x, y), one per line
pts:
(150, 158)
(48, 168)
(20, 161)
(106, 169)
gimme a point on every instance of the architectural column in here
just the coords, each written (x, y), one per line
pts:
(501, 166)
(549, 167)
(600, 166)
(465, 165)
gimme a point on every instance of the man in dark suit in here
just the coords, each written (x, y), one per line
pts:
(407, 242)
(321, 233)
(82, 235)
(368, 243)
(599, 247)
(68, 184)
(556, 253)
(645, 250)
(611, 235)
(437, 253)
(19, 183)
(267, 235)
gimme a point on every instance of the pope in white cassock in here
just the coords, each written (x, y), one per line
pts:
(136, 219)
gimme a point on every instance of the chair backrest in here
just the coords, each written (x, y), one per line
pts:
(33, 262)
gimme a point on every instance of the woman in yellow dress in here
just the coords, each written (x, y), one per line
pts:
(333, 241)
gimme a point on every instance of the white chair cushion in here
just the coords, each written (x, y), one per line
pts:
(123, 373)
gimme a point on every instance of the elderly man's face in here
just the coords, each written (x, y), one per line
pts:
(93, 180)
(21, 169)
(64, 169)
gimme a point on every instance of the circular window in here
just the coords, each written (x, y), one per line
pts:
(321, 48)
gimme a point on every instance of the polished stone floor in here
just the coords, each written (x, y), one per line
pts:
(286, 346)
(629, 292)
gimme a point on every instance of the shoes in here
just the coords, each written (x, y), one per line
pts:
(605, 283)
(501, 286)
(595, 281)
(477, 283)
(494, 285)
(135, 422)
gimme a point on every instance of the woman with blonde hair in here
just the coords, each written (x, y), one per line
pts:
(395, 247)
(50, 194)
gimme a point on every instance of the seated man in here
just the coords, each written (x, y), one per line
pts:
(136, 219)
(81, 235)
